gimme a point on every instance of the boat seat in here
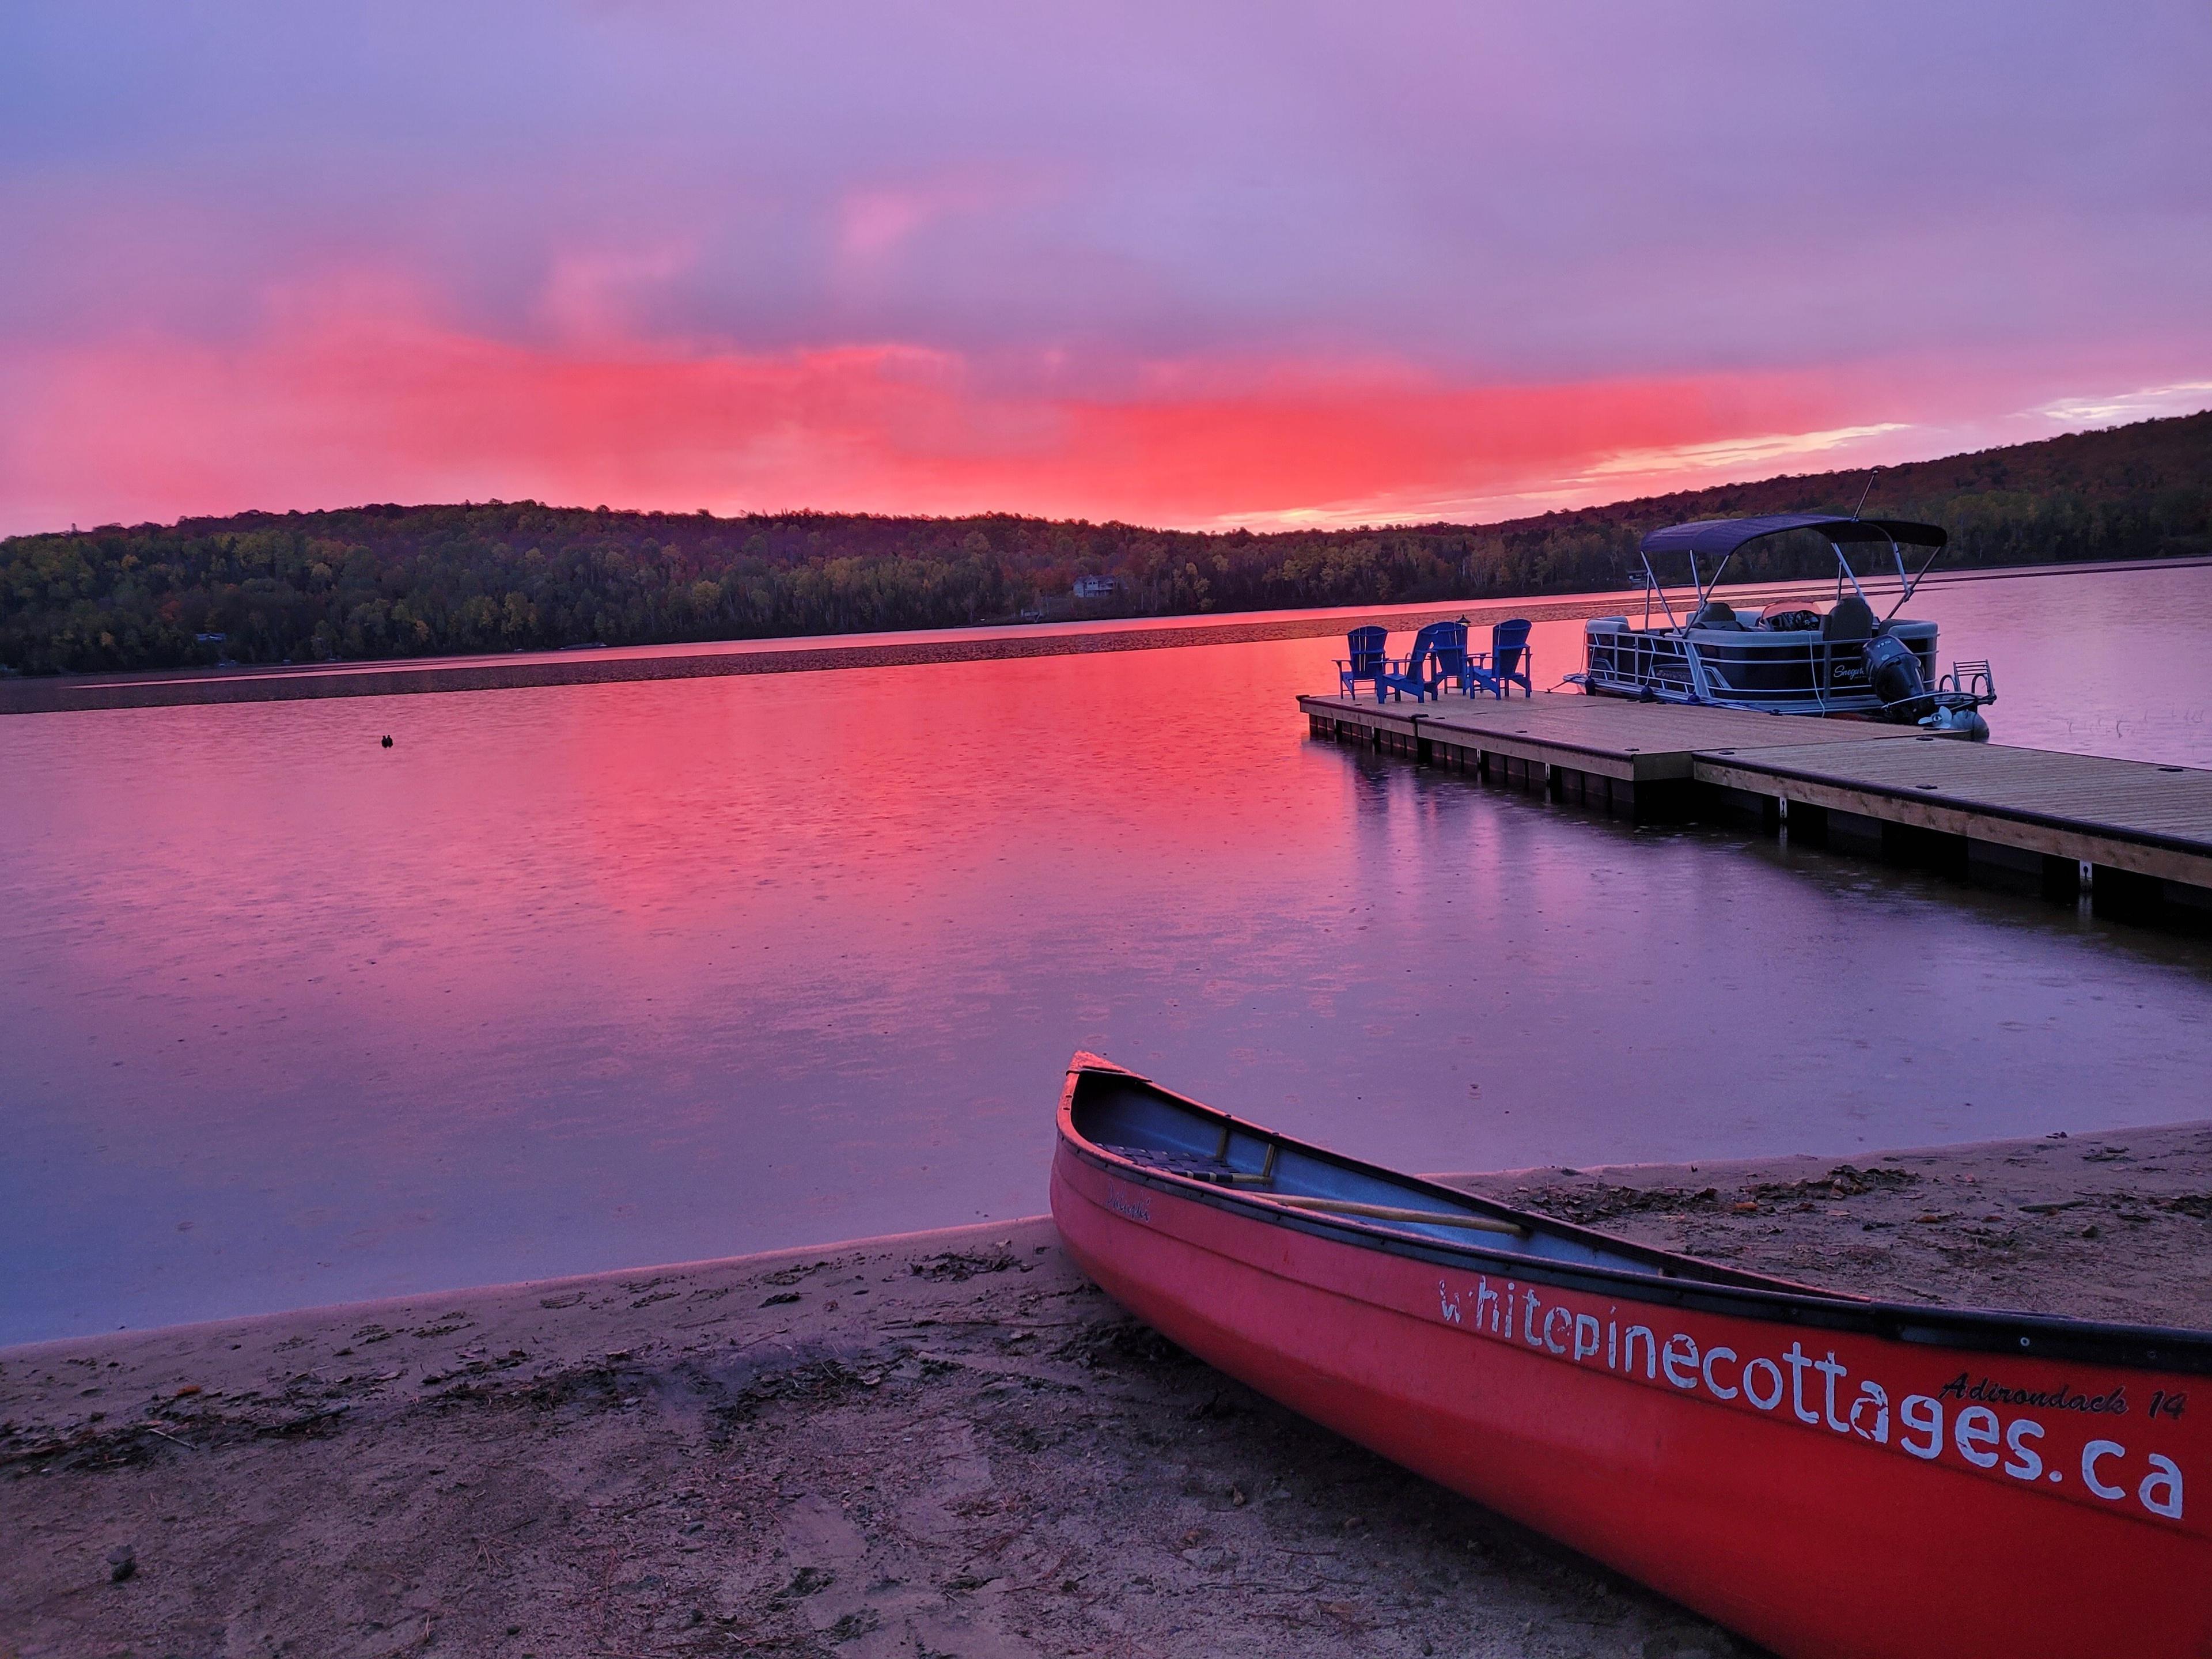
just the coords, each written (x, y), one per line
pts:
(1851, 619)
(1791, 619)
(1197, 1166)
(1718, 613)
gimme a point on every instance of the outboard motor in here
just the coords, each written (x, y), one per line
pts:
(1955, 717)
(1893, 673)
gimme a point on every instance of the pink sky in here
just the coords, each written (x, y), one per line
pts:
(1184, 265)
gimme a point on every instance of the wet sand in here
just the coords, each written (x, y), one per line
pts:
(947, 1443)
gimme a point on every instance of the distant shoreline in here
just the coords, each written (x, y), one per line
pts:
(261, 682)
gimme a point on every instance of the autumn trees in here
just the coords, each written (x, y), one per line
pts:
(397, 581)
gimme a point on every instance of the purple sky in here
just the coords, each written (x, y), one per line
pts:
(1195, 264)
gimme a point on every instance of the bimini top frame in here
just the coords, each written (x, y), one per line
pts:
(1717, 539)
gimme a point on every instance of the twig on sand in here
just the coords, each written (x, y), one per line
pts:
(1000, 1324)
(173, 1439)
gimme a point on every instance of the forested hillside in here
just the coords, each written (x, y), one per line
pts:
(401, 581)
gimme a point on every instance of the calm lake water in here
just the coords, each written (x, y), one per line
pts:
(592, 977)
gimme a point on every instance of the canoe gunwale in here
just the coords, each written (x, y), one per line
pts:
(1677, 1281)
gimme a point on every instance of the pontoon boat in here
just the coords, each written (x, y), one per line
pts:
(1795, 657)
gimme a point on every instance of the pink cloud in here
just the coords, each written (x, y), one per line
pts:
(360, 393)
(363, 404)
(872, 223)
(1144, 262)
(601, 296)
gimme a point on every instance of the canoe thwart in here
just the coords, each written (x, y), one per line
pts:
(1481, 1223)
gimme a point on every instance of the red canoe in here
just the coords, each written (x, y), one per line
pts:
(1825, 1474)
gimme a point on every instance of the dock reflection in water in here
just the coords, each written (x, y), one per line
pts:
(578, 978)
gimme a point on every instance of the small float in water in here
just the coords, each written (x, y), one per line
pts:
(1793, 658)
(1827, 1474)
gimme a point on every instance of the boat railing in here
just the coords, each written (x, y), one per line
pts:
(1970, 679)
(1665, 662)
(1674, 670)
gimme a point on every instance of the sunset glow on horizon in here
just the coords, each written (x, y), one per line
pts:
(1162, 265)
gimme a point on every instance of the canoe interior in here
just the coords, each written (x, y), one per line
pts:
(1127, 1118)
(1129, 1125)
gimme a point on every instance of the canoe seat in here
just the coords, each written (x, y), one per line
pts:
(1196, 1166)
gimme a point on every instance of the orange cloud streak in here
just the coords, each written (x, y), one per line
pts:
(365, 407)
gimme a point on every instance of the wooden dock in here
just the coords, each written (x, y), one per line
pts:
(2135, 836)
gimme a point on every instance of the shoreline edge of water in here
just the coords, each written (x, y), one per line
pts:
(940, 1442)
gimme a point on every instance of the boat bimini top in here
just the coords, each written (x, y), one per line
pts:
(1719, 539)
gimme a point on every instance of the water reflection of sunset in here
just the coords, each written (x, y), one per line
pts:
(571, 977)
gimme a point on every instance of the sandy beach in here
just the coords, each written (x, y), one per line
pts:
(947, 1443)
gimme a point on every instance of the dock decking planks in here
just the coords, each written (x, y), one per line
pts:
(2129, 815)
(1642, 742)
(2136, 818)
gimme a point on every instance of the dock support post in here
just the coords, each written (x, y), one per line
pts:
(2062, 878)
(2126, 895)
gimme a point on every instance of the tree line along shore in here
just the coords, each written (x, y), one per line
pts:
(392, 581)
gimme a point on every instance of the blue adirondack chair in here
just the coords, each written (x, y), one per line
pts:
(1447, 656)
(1366, 661)
(1417, 671)
(1505, 664)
